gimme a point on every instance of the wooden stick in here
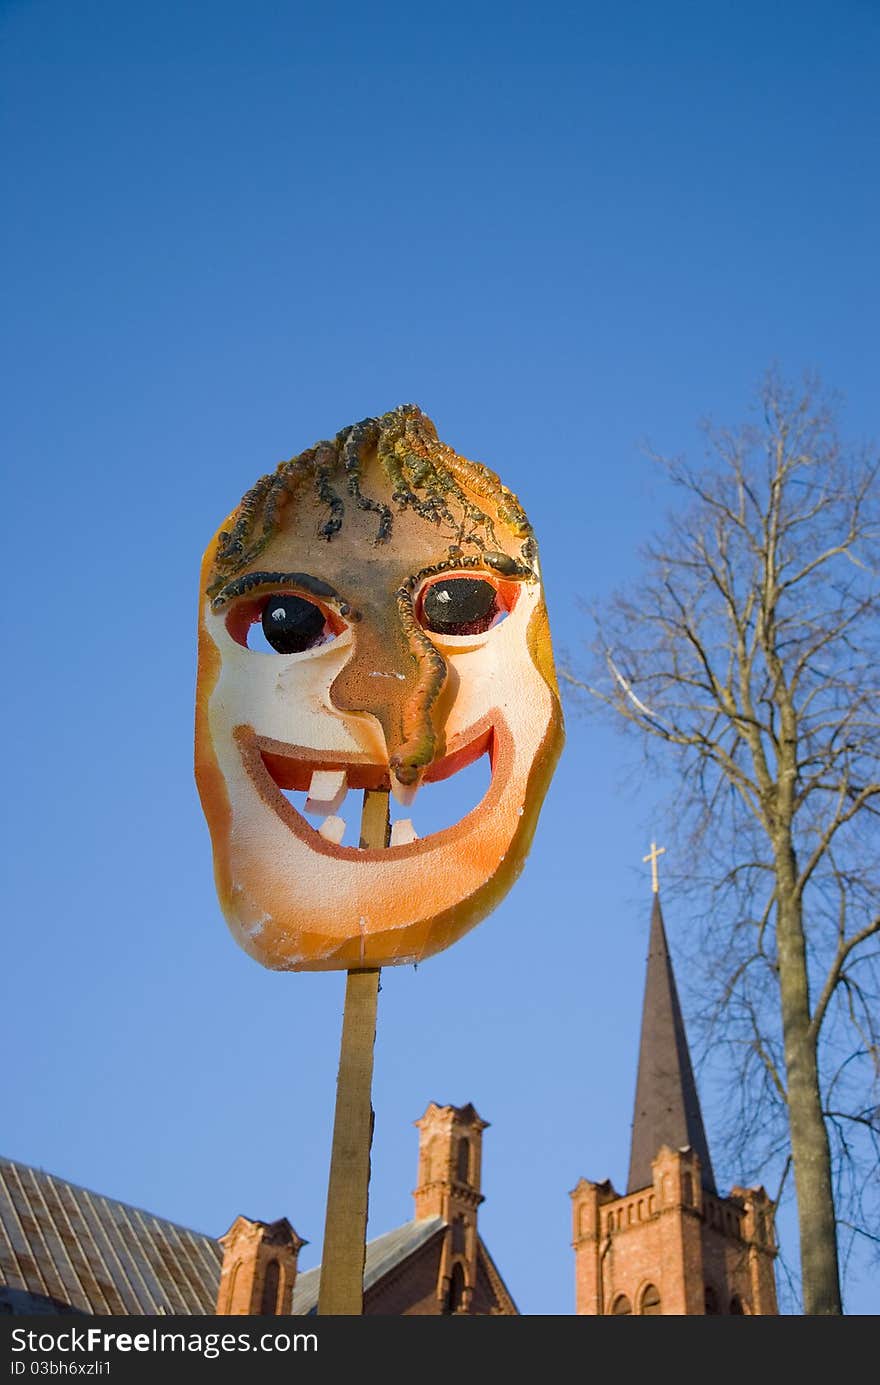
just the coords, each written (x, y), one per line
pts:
(341, 1289)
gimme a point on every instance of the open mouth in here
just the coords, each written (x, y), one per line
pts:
(316, 794)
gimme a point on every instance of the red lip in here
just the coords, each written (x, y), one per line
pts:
(292, 766)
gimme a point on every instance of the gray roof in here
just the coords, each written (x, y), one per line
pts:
(667, 1107)
(64, 1249)
(383, 1254)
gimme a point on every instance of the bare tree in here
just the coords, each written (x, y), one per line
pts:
(749, 655)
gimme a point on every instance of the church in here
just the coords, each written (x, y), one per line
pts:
(671, 1244)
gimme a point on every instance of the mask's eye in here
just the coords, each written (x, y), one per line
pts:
(460, 606)
(282, 623)
(292, 624)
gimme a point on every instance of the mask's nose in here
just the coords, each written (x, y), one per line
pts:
(396, 675)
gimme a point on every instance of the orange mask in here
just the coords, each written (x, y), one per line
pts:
(371, 617)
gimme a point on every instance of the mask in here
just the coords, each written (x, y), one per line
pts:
(372, 617)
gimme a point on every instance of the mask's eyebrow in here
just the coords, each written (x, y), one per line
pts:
(257, 581)
(501, 564)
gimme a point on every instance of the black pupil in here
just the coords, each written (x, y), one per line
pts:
(292, 624)
(459, 606)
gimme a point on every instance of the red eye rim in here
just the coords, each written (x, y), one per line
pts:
(506, 596)
(248, 611)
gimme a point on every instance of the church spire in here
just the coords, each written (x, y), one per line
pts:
(667, 1108)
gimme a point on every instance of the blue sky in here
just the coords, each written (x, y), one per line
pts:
(564, 231)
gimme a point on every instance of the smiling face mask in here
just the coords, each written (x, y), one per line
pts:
(371, 617)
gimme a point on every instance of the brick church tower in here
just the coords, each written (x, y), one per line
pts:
(450, 1159)
(671, 1244)
(259, 1267)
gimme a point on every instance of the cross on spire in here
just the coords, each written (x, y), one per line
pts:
(653, 856)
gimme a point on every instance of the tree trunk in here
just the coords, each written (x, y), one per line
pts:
(810, 1150)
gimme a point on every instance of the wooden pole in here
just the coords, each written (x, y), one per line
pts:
(341, 1289)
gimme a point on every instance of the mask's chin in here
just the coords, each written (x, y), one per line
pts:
(301, 783)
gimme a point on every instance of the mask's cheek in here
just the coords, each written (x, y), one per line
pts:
(286, 697)
(498, 676)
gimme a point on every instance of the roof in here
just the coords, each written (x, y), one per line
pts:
(65, 1249)
(385, 1253)
(667, 1107)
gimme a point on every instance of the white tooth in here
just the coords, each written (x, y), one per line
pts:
(326, 791)
(332, 829)
(403, 832)
(404, 793)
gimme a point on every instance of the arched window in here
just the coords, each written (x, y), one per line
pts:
(650, 1307)
(711, 1303)
(463, 1166)
(269, 1302)
(230, 1293)
(458, 1230)
(736, 1306)
(621, 1306)
(687, 1188)
(455, 1297)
